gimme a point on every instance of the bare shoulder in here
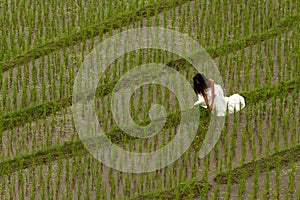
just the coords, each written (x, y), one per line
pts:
(211, 81)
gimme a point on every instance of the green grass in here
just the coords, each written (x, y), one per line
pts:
(285, 156)
(185, 190)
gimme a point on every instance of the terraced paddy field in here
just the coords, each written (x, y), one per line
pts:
(255, 46)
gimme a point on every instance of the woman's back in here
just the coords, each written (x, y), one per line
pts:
(234, 101)
(219, 105)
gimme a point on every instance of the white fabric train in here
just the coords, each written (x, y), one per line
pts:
(234, 101)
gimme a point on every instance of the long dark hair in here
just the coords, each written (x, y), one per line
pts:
(201, 83)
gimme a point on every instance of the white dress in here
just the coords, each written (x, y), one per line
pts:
(234, 101)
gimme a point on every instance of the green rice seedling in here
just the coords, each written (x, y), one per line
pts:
(5, 103)
(112, 185)
(10, 144)
(244, 147)
(58, 174)
(170, 181)
(80, 177)
(216, 153)
(1, 129)
(291, 181)
(276, 140)
(260, 128)
(103, 191)
(99, 185)
(206, 168)
(15, 95)
(226, 146)
(255, 182)
(241, 185)
(228, 188)
(216, 191)
(10, 188)
(253, 140)
(1, 76)
(285, 124)
(229, 160)
(68, 180)
(233, 134)
(24, 100)
(219, 167)
(247, 71)
(87, 182)
(294, 136)
(235, 22)
(231, 77)
(277, 182)
(21, 183)
(127, 187)
(183, 20)
(33, 186)
(267, 182)
(43, 183)
(240, 63)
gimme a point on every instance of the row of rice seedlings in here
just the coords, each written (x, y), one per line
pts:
(49, 72)
(263, 180)
(270, 136)
(131, 3)
(39, 22)
(211, 8)
(241, 186)
(35, 84)
(291, 181)
(170, 180)
(166, 179)
(263, 139)
(65, 86)
(217, 12)
(229, 160)
(62, 86)
(245, 17)
(150, 97)
(52, 130)
(260, 63)
(38, 135)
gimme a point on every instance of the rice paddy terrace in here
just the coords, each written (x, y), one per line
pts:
(255, 45)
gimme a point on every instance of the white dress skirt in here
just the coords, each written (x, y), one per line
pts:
(234, 101)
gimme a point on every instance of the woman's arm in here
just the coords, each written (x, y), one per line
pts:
(207, 104)
(212, 85)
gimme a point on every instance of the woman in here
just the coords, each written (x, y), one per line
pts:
(211, 96)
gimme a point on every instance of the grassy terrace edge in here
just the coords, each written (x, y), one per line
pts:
(42, 111)
(26, 115)
(194, 187)
(253, 39)
(151, 10)
(70, 148)
(89, 32)
(283, 156)
(185, 190)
